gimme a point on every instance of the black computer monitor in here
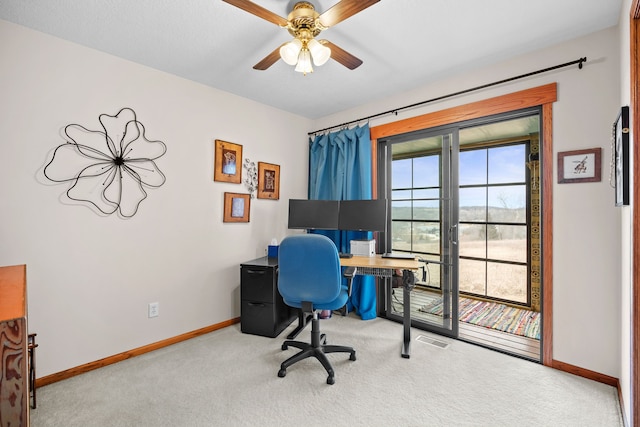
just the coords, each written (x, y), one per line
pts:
(313, 214)
(363, 215)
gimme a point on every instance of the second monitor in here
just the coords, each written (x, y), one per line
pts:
(363, 215)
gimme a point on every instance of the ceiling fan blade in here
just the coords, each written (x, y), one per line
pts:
(268, 60)
(259, 11)
(342, 56)
(343, 10)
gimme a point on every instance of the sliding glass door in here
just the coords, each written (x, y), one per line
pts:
(465, 199)
(421, 188)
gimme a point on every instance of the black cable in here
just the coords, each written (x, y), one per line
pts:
(451, 95)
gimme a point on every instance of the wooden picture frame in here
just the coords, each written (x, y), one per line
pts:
(580, 166)
(268, 181)
(236, 207)
(621, 157)
(227, 162)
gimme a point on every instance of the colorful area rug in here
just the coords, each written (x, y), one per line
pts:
(492, 315)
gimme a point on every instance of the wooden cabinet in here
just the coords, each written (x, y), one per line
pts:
(263, 312)
(14, 384)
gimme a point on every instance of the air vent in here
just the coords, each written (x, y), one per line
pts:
(434, 342)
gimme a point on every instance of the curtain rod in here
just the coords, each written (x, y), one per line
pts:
(439, 98)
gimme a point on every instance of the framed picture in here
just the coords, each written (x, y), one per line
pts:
(268, 181)
(620, 135)
(579, 166)
(236, 207)
(227, 162)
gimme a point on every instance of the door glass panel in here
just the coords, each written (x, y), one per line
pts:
(401, 195)
(507, 243)
(401, 174)
(473, 167)
(429, 193)
(507, 281)
(401, 209)
(432, 273)
(472, 238)
(507, 164)
(426, 237)
(473, 204)
(426, 171)
(401, 232)
(472, 276)
(508, 203)
(426, 209)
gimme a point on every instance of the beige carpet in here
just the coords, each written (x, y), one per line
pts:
(227, 378)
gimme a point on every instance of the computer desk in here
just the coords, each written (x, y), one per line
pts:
(378, 267)
(384, 267)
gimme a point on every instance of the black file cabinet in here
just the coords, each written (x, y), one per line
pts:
(263, 312)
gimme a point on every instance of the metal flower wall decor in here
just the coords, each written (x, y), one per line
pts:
(108, 168)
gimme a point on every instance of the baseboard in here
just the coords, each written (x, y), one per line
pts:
(625, 422)
(595, 376)
(59, 376)
(585, 373)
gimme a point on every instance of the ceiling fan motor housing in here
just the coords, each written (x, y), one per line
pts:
(303, 21)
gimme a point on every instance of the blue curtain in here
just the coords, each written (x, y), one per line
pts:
(340, 169)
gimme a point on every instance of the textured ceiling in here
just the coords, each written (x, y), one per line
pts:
(404, 43)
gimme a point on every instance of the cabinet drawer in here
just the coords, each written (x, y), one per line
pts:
(258, 284)
(258, 318)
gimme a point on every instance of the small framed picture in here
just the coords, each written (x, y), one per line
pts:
(579, 166)
(268, 181)
(621, 153)
(227, 162)
(236, 207)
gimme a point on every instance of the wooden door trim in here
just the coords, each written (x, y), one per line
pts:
(634, 28)
(533, 97)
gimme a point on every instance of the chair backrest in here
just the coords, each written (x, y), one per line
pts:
(308, 269)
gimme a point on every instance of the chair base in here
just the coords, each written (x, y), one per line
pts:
(317, 348)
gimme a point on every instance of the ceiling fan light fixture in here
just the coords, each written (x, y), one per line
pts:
(319, 52)
(304, 62)
(289, 52)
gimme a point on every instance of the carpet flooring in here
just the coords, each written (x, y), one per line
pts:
(227, 378)
(492, 315)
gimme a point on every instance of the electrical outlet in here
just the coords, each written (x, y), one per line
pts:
(154, 309)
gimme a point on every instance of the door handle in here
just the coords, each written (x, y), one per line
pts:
(453, 234)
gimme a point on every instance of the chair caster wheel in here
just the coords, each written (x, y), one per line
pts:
(353, 356)
(282, 373)
(284, 347)
(331, 381)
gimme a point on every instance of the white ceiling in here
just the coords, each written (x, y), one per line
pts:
(404, 43)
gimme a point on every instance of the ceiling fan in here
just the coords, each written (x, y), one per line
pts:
(304, 24)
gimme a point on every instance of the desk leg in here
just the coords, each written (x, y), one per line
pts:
(302, 323)
(406, 322)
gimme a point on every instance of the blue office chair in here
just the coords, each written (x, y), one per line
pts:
(309, 278)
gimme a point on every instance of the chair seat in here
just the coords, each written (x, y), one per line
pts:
(332, 305)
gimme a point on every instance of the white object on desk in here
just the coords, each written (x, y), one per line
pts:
(363, 247)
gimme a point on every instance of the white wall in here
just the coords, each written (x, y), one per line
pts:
(90, 277)
(586, 225)
(626, 215)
